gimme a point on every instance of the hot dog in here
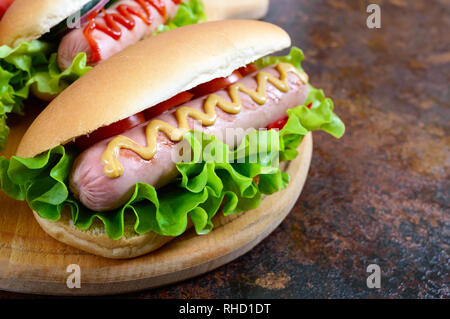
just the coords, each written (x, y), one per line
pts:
(124, 23)
(192, 94)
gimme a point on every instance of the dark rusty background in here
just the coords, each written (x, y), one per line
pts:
(380, 194)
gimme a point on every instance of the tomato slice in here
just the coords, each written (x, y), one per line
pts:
(278, 125)
(160, 108)
(86, 141)
(248, 69)
(4, 5)
(216, 84)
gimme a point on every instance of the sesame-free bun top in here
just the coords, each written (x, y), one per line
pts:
(241, 9)
(148, 73)
(28, 20)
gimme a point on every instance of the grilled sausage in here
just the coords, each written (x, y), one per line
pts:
(98, 192)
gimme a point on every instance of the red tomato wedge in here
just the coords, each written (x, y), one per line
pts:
(216, 84)
(4, 5)
(248, 69)
(278, 125)
(86, 141)
(160, 108)
(118, 128)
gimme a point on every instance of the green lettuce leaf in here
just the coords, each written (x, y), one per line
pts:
(214, 178)
(31, 63)
(52, 81)
(189, 12)
(319, 116)
(228, 177)
(295, 57)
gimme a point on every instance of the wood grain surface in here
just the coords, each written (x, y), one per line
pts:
(33, 262)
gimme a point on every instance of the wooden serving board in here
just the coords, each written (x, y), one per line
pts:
(33, 262)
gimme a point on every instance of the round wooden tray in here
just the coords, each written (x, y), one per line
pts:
(33, 262)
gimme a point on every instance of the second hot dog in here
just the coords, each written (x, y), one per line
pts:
(123, 24)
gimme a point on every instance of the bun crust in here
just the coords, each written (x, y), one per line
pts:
(28, 20)
(95, 240)
(242, 9)
(148, 73)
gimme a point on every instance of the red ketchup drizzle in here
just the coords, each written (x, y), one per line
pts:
(123, 17)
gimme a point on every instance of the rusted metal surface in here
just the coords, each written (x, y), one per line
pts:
(380, 195)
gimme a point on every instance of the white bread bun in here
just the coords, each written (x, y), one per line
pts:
(28, 20)
(96, 241)
(236, 9)
(148, 73)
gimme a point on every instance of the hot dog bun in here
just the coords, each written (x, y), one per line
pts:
(236, 9)
(148, 73)
(145, 74)
(97, 242)
(28, 20)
